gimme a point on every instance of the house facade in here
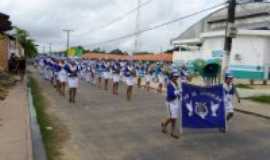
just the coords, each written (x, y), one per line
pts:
(9, 46)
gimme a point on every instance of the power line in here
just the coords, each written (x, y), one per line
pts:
(120, 18)
(157, 26)
(50, 48)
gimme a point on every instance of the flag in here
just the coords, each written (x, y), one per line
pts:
(203, 107)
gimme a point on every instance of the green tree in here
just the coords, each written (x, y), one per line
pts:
(27, 43)
(99, 50)
(142, 53)
(118, 52)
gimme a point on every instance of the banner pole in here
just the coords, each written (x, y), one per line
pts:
(225, 117)
(226, 124)
(181, 131)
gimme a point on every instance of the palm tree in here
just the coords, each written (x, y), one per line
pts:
(27, 43)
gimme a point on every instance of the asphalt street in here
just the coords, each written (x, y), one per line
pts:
(107, 127)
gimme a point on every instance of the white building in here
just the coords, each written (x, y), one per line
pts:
(250, 57)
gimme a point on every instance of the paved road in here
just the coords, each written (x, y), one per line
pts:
(106, 127)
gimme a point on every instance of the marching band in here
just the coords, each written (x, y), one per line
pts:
(65, 71)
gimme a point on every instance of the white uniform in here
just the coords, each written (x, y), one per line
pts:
(116, 78)
(62, 76)
(106, 73)
(173, 106)
(173, 109)
(147, 78)
(161, 79)
(73, 81)
(130, 81)
(228, 98)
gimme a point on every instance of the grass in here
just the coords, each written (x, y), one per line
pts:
(261, 99)
(54, 137)
(243, 86)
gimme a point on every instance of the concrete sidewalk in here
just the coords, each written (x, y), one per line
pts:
(244, 93)
(254, 108)
(15, 133)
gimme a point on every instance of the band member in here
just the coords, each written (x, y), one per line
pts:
(56, 70)
(116, 77)
(93, 74)
(99, 72)
(129, 75)
(62, 78)
(106, 74)
(147, 79)
(88, 73)
(173, 104)
(229, 92)
(140, 74)
(161, 81)
(122, 71)
(73, 81)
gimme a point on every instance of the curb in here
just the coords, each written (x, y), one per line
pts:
(39, 151)
(29, 130)
(252, 113)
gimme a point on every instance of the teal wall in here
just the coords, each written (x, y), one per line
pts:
(248, 75)
(248, 72)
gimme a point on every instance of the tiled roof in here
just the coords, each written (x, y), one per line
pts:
(146, 57)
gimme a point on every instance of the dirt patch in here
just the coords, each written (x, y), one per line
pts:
(6, 82)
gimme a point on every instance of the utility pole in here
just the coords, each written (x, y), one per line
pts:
(136, 43)
(50, 48)
(44, 49)
(230, 33)
(68, 31)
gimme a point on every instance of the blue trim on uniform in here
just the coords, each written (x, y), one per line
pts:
(171, 92)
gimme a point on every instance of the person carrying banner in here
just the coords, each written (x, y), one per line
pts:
(229, 92)
(173, 104)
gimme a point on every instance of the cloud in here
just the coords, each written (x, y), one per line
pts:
(45, 20)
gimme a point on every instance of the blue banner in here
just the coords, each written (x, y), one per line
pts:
(203, 107)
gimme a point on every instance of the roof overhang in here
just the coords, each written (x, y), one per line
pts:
(247, 16)
(195, 41)
(262, 33)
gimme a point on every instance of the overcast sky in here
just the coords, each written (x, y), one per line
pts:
(45, 20)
